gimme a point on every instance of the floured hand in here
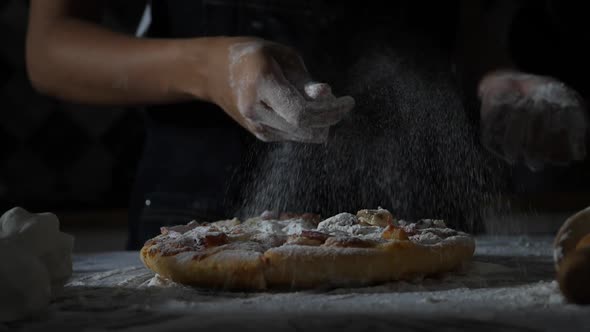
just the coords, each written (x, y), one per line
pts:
(536, 119)
(269, 91)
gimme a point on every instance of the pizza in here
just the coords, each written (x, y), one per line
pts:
(289, 251)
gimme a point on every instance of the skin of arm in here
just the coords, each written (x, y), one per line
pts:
(70, 56)
(261, 85)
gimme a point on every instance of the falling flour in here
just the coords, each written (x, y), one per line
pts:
(408, 146)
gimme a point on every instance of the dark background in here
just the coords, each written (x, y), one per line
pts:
(78, 160)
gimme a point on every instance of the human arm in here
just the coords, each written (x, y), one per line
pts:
(72, 57)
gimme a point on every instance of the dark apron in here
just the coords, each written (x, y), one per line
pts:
(197, 163)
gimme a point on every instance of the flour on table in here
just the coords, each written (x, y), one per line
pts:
(158, 281)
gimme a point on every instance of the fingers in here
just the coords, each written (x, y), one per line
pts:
(318, 91)
(281, 96)
(515, 123)
(538, 149)
(286, 103)
(537, 134)
(320, 109)
(493, 130)
(270, 127)
(291, 64)
(326, 112)
(532, 118)
(314, 136)
(557, 135)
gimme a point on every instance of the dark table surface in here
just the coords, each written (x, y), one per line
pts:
(508, 287)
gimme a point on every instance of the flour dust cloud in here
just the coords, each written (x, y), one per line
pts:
(408, 146)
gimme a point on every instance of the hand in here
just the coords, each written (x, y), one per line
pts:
(267, 89)
(532, 118)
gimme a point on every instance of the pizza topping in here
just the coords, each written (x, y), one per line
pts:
(439, 224)
(344, 230)
(310, 218)
(424, 223)
(303, 241)
(181, 229)
(296, 226)
(269, 215)
(432, 235)
(172, 242)
(426, 238)
(273, 215)
(214, 239)
(315, 218)
(441, 232)
(315, 235)
(309, 238)
(342, 222)
(379, 217)
(346, 224)
(394, 233)
(258, 225)
(278, 227)
(171, 248)
(269, 240)
(226, 225)
(288, 215)
(410, 229)
(348, 242)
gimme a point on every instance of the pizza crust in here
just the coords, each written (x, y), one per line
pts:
(222, 267)
(296, 266)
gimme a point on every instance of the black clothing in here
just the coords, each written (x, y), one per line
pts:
(196, 158)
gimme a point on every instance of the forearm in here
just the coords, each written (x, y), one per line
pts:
(83, 62)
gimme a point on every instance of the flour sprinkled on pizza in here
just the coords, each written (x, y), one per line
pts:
(304, 251)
